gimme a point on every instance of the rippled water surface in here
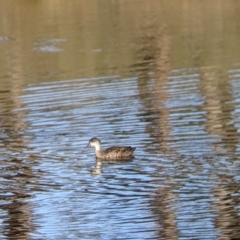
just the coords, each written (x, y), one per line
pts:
(164, 79)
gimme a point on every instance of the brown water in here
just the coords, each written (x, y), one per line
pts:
(163, 76)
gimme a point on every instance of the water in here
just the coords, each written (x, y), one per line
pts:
(154, 80)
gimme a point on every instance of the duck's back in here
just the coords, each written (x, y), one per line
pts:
(116, 152)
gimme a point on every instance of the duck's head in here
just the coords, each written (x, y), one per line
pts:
(94, 142)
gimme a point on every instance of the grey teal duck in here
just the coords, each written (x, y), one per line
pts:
(116, 152)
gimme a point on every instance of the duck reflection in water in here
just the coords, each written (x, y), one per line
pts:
(98, 169)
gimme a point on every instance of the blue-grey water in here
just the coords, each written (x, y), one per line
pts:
(164, 83)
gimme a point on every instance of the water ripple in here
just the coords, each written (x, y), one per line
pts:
(174, 183)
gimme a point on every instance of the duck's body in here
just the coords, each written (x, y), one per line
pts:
(112, 152)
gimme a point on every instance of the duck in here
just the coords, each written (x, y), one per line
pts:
(115, 152)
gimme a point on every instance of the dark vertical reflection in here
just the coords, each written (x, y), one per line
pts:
(153, 69)
(16, 172)
(16, 176)
(215, 88)
(16, 169)
(163, 206)
(18, 225)
(227, 220)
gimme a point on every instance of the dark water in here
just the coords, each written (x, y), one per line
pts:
(153, 84)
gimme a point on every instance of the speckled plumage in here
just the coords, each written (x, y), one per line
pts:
(117, 152)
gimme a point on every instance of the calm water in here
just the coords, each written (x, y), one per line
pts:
(161, 76)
